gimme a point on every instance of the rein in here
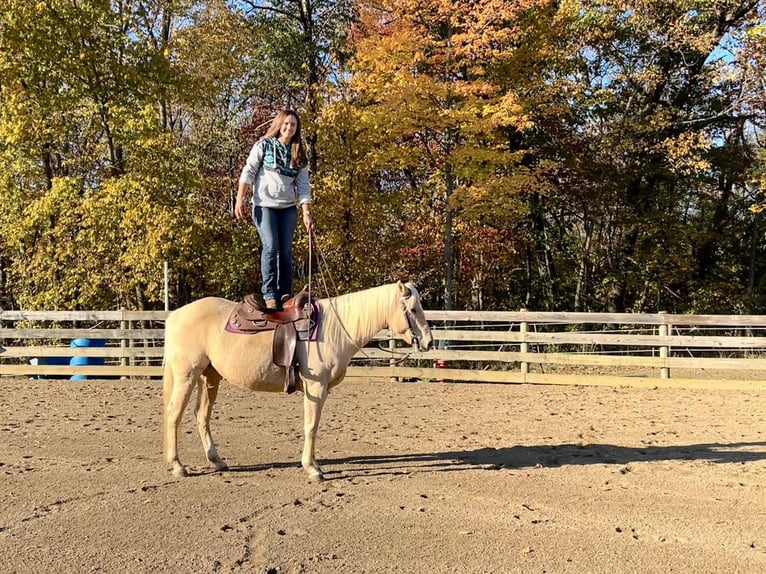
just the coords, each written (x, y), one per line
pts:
(402, 356)
(323, 269)
(311, 259)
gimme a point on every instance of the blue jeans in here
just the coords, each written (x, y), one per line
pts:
(276, 228)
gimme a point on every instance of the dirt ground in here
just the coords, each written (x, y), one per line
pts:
(422, 477)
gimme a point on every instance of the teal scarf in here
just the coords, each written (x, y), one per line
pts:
(278, 157)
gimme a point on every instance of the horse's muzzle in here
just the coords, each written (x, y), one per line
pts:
(422, 343)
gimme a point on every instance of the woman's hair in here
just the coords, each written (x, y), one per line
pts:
(297, 149)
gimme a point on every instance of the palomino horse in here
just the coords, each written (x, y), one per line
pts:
(199, 353)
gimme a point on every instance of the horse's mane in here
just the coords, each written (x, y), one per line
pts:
(362, 314)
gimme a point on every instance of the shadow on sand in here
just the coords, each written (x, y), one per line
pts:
(521, 456)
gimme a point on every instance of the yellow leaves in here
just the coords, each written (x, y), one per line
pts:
(495, 199)
(685, 153)
(757, 31)
(76, 245)
(568, 10)
(430, 89)
(212, 50)
(431, 70)
(508, 112)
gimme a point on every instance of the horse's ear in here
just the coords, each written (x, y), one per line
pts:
(404, 290)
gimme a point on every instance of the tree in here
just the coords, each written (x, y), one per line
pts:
(552, 155)
(643, 102)
(298, 44)
(99, 164)
(432, 119)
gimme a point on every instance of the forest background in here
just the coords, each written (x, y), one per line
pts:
(551, 155)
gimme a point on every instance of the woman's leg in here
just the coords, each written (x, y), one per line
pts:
(267, 223)
(288, 220)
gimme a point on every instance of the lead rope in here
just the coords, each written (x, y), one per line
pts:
(311, 256)
(332, 303)
(324, 271)
(309, 304)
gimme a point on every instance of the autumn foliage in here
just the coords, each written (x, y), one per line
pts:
(569, 155)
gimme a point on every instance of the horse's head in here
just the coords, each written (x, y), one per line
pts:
(410, 320)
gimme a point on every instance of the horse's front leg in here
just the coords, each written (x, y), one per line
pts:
(314, 396)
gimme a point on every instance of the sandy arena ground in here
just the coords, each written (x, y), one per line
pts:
(422, 477)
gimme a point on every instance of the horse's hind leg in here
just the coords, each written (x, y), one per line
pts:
(177, 391)
(208, 391)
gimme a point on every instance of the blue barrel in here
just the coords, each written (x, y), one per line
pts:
(85, 360)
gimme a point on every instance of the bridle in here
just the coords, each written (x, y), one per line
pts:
(409, 318)
(406, 312)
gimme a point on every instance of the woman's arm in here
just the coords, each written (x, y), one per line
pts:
(239, 207)
(247, 178)
(253, 164)
(303, 190)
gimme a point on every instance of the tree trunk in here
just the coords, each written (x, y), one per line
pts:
(449, 181)
(584, 266)
(312, 88)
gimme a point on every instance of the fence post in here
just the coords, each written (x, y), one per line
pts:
(524, 348)
(123, 341)
(392, 350)
(664, 370)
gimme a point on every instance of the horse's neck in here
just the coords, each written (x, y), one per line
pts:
(361, 315)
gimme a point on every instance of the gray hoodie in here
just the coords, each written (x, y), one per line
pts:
(275, 182)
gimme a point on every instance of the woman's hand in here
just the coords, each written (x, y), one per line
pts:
(307, 221)
(239, 206)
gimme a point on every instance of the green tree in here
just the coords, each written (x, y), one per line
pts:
(101, 172)
(645, 106)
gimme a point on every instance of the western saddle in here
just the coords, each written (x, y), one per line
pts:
(252, 316)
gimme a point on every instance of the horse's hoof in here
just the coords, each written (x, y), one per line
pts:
(316, 477)
(221, 466)
(180, 472)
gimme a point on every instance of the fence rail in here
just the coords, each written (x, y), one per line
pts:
(703, 351)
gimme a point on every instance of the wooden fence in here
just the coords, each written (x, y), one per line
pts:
(647, 350)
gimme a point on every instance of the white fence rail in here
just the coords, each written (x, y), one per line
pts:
(719, 351)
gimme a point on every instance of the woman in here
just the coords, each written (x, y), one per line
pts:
(277, 171)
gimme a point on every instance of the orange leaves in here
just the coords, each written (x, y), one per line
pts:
(441, 69)
(433, 97)
(492, 28)
(454, 35)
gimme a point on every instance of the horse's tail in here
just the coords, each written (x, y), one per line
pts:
(167, 392)
(167, 382)
(167, 389)
(167, 372)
